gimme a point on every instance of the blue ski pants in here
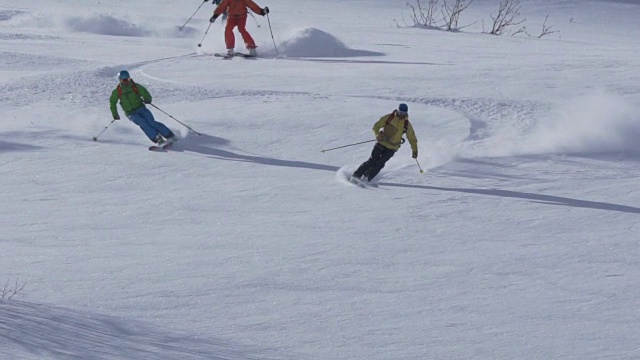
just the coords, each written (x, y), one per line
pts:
(144, 118)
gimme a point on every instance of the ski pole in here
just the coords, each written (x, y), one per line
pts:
(419, 167)
(271, 31)
(181, 27)
(169, 115)
(95, 138)
(205, 34)
(340, 147)
(254, 18)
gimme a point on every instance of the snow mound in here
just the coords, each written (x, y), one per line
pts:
(96, 23)
(7, 14)
(105, 25)
(312, 42)
(109, 25)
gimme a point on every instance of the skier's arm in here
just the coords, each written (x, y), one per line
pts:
(379, 125)
(411, 136)
(144, 93)
(221, 8)
(113, 101)
(254, 7)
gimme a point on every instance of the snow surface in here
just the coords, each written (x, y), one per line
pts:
(520, 241)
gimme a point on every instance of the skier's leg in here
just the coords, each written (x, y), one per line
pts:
(242, 28)
(137, 118)
(379, 163)
(375, 154)
(229, 37)
(362, 168)
(158, 126)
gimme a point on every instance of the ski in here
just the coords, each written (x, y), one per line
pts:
(223, 55)
(356, 182)
(158, 148)
(162, 148)
(246, 56)
(361, 184)
(239, 54)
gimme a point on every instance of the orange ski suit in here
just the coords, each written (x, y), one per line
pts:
(237, 10)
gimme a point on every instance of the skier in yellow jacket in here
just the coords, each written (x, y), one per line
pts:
(388, 132)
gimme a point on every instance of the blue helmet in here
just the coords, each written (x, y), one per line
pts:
(403, 108)
(124, 74)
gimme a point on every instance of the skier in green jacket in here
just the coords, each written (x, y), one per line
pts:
(133, 98)
(388, 132)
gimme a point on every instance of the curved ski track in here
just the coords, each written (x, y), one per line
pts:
(88, 86)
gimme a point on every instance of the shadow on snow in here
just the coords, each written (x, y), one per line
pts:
(539, 198)
(65, 333)
(6, 146)
(353, 61)
(204, 145)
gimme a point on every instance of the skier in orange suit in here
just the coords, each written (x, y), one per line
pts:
(237, 10)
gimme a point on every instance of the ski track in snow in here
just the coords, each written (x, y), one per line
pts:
(484, 115)
(489, 121)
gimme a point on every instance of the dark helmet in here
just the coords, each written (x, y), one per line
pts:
(403, 108)
(124, 74)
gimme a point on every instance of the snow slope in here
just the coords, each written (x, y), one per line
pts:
(519, 241)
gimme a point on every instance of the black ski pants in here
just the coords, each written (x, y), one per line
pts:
(379, 156)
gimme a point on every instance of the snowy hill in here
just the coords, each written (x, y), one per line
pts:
(520, 241)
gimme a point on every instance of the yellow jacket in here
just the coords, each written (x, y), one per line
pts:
(392, 130)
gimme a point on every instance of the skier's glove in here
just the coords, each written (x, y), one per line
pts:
(213, 18)
(264, 11)
(379, 137)
(415, 154)
(117, 117)
(147, 101)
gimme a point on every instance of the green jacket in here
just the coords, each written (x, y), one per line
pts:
(131, 97)
(392, 130)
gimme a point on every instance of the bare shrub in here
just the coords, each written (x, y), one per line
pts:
(546, 29)
(508, 13)
(9, 290)
(451, 13)
(424, 15)
(522, 30)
